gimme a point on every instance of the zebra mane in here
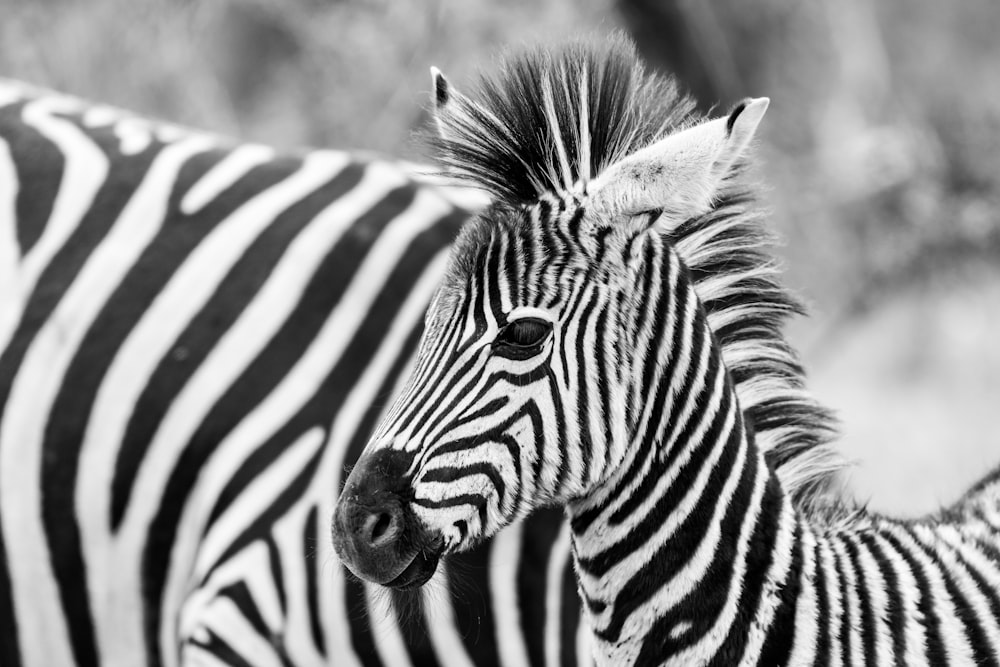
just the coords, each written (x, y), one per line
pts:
(552, 119)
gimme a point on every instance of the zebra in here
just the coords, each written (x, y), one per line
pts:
(608, 339)
(196, 337)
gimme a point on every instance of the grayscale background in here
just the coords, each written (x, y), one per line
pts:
(881, 150)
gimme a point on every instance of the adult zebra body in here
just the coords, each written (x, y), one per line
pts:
(608, 338)
(195, 338)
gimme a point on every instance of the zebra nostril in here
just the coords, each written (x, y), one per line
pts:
(381, 528)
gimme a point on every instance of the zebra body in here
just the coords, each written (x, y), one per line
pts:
(608, 338)
(196, 337)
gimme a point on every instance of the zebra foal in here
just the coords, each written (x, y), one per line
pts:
(608, 338)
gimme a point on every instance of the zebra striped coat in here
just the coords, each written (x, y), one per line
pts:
(195, 338)
(608, 338)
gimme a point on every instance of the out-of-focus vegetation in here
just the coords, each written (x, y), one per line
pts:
(881, 149)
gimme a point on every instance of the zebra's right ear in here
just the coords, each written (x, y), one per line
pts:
(442, 96)
(679, 175)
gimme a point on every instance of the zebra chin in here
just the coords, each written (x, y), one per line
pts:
(375, 532)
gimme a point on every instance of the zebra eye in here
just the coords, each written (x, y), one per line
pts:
(526, 332)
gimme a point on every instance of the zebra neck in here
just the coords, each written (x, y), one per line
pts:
(691, 530)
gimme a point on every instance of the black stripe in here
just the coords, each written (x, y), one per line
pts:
(846, 632)
(583, 355)
(468, 582)
(895, 614)
(242, 599)
(222, 651)
(861, 584)
(407, 608)
(10, 652)
(606, 369)
(312, 566)
(540, 532)
(362, 630)
(451, 474)
(824, 620)
(937, 654)
(570, 616)
(759, 560)
(562, 465)
(277, 572)
(781, 634)
(38, 166)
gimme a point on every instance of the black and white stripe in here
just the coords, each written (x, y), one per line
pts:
(195, 338)
(608, 338)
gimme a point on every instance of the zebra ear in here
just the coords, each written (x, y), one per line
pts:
(442, 96)
(680, 174)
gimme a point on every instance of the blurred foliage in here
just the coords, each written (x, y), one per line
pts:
(345, 74)
(881, 147)
(883, 139)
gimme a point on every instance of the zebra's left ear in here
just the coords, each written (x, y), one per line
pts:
(443, 95)
(680, 174)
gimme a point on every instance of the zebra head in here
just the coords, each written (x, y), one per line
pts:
(537, 350)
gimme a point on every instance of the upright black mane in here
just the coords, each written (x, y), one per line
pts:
(592, 101)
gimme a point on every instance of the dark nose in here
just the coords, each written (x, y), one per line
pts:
(370, 523)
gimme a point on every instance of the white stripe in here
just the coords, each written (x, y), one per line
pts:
(11, 297)
(230, 625)
(558, 557)
(835, 605)
(807, 606)
(555, 135)
(296, 556)
(585, 644)
(12, 91)
(386, 635)
(224, 174)
(505, 556)
(439, 617)
(40, 618)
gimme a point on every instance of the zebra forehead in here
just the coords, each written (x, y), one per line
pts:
(550, 119)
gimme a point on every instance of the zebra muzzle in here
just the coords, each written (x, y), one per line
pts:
(375, 533)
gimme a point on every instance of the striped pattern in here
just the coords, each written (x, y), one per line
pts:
(195, 338)
(626, 361)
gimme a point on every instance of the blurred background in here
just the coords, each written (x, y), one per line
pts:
(881, 150)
